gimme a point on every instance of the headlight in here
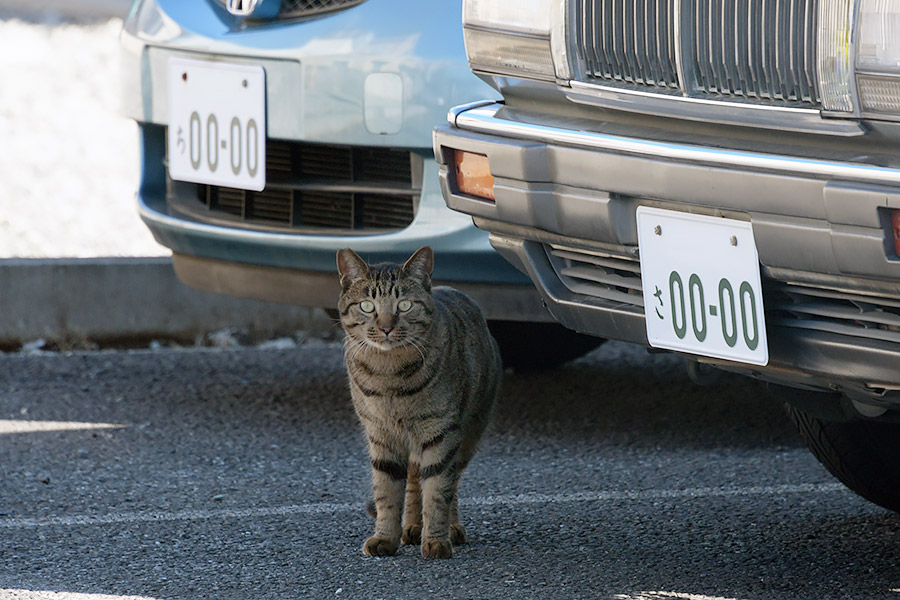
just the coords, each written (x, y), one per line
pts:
(835, 27)
(514, 37)
(525, 16)
(878, 57)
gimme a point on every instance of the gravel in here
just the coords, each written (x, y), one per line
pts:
(69, 163)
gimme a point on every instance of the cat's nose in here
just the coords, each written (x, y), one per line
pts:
(387, 330)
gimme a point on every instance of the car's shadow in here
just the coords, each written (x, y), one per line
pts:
(618, 394)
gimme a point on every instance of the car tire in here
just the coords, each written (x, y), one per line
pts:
(539, 346)
(864, 455)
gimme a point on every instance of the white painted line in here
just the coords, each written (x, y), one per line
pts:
(42, 595)
(25, 426)
(333, 507)
(774, 490)
(668, 596)
(182, 515)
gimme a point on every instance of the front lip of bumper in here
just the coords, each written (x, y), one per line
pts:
(539, 196)
(300, 269)
(458, 249)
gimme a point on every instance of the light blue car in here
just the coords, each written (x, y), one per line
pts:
(275, 132)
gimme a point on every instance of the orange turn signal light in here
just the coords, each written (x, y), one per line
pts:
(473, 174)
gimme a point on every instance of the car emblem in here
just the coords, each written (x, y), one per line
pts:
(241, 8)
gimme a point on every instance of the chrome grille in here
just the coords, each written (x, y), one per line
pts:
(314, 187)
(628, 41)
(304, 8)
(292, 9)
(760, 51)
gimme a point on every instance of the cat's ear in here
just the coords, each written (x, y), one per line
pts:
(420, 265)
(350, 267)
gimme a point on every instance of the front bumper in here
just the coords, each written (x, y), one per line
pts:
(831, 279)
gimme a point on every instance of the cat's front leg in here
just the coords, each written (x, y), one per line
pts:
(388, 485)
(439, 480)
(412, 509)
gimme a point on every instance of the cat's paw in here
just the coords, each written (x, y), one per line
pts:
(436, 548)
(457, 534)
(412, 535)
(376, 546)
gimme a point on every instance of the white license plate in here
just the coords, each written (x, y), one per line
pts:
(217, 123)
(702, 291)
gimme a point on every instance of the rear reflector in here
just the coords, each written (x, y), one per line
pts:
(895, 227)
(473, 174)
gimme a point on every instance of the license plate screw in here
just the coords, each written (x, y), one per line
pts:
(244, 83)
(734, 240)
(184, 76)
(657, 230)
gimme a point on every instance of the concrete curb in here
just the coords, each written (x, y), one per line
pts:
(109, 300)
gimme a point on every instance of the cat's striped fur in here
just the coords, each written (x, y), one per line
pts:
(424, 373)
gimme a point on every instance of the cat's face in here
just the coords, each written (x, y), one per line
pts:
(386, 306)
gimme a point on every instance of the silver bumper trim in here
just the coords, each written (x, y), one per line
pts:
(483, 119)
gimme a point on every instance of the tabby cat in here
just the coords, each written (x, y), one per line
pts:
(424, 374)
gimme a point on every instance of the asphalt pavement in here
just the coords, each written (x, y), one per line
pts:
(242, 474)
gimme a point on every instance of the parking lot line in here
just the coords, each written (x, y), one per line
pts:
(22, 426)
(9, 594)
(332, 507)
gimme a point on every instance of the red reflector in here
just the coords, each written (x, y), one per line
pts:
(473, 174)
(895, 227)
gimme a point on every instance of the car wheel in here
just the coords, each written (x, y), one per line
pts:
(864, 455)
(538, 346)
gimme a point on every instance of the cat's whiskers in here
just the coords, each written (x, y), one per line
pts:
(355, 347)
(418, 344)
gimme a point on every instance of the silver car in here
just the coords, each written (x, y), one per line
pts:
(720, 180)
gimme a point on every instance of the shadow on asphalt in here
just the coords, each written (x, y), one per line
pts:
(618, 394)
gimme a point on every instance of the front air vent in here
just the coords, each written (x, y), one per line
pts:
(615, 277)
(831, 311)
(315, 188)
(597, 274)
(327, 209)
(384, 211)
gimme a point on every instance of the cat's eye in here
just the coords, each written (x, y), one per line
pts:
(404, 305)
(367, 306)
